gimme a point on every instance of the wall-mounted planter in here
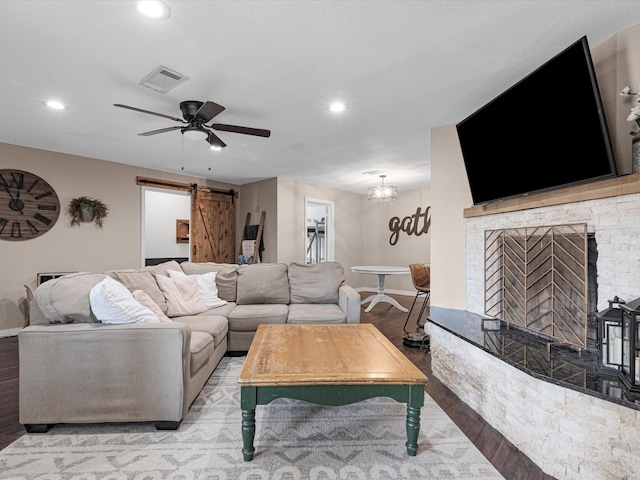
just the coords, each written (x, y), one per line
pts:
(87, 210)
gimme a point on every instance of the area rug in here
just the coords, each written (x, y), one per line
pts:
(294, 440)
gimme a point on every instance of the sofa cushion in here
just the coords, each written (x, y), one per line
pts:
(315, 283)
(111, 302)
(206, 287)
(316, 313)
(66, 299)
(161, 268)
(141, 280)
(262, 283)
(148, 302)
(226, 278)
(201, 348)
(215, 325)
(182, 295)
(246, 318)
(223, 310)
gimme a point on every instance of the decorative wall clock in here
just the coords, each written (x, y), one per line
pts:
(29, 206)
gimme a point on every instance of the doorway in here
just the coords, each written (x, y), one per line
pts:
(171, 209)
(162, 239)
(319, 230)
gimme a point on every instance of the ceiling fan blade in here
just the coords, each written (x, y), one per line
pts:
(215, 141)
(208, 110)
(162, 130)
(237, 129)
(150, 113)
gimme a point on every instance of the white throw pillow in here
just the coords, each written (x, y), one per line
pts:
(206, 287)
(112, 302)
(182, 296)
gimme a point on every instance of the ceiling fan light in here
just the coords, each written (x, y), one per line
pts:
(194, 134)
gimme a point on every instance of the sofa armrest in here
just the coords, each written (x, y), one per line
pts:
(349, 302)
(86, 373)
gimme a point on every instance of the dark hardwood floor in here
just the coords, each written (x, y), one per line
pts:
(507, 459)
(10, 429)
(503, 455)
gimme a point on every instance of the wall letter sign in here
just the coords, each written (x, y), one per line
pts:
(410, 224)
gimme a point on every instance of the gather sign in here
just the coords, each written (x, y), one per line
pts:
(415, 224)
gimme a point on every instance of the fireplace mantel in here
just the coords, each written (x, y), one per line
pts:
(612, 187)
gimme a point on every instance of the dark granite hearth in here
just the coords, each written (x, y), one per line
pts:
(536, 355)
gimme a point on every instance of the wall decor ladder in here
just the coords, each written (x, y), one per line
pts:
(254, 232)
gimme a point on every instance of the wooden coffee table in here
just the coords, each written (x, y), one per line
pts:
(327, 365)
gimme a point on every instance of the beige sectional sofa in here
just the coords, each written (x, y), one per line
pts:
(76, 368)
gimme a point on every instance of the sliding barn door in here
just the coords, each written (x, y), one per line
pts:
(213, 227)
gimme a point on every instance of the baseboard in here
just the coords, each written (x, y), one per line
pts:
(11, 332)
(387, 290)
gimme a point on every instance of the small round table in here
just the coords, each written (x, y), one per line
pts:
(382, 272)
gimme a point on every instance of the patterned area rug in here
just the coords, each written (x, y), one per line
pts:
(294, 440)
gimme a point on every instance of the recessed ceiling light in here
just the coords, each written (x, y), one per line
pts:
(55, 105)
(337, 107)
(154, 9)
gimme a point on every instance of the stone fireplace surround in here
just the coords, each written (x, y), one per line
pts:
(570, 431)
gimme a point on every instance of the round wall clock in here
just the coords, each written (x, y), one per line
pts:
(29, 207)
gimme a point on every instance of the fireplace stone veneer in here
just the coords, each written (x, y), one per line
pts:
(569, 434)
(614, 221)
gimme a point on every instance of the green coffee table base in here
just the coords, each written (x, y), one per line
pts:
(330, 395)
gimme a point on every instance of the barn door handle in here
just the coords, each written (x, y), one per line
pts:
(194, 249)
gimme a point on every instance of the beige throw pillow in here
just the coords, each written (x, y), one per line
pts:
(140, 280)
(226, 276)
(146, 301)
(206, 287)
(182, 295)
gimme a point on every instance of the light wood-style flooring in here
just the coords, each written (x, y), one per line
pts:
(507, 459)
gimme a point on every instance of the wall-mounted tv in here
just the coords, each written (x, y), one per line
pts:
(545, 132)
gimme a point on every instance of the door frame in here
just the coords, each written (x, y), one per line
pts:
(143, 216)
(329, 227)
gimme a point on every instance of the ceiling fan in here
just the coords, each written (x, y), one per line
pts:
(195, 116)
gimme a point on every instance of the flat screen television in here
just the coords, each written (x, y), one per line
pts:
(545, 132)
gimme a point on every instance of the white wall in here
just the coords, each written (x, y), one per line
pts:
(450, 195)
(161, 210)
(361, 228)
(258, 197)
(408, 248)
(292, 224)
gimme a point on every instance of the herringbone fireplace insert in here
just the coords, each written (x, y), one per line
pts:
(537, 278)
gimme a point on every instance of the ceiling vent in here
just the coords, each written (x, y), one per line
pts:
(162, 79)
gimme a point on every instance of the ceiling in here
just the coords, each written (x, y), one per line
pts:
(401, 68)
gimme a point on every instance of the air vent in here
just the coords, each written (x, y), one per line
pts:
(162, 79)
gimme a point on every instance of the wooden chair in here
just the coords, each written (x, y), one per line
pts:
(421, 277)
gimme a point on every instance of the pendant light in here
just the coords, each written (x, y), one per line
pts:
(383, 193)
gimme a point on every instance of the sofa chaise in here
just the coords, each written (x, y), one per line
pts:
(93, 352)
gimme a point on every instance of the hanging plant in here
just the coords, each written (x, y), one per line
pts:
(87, 209)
